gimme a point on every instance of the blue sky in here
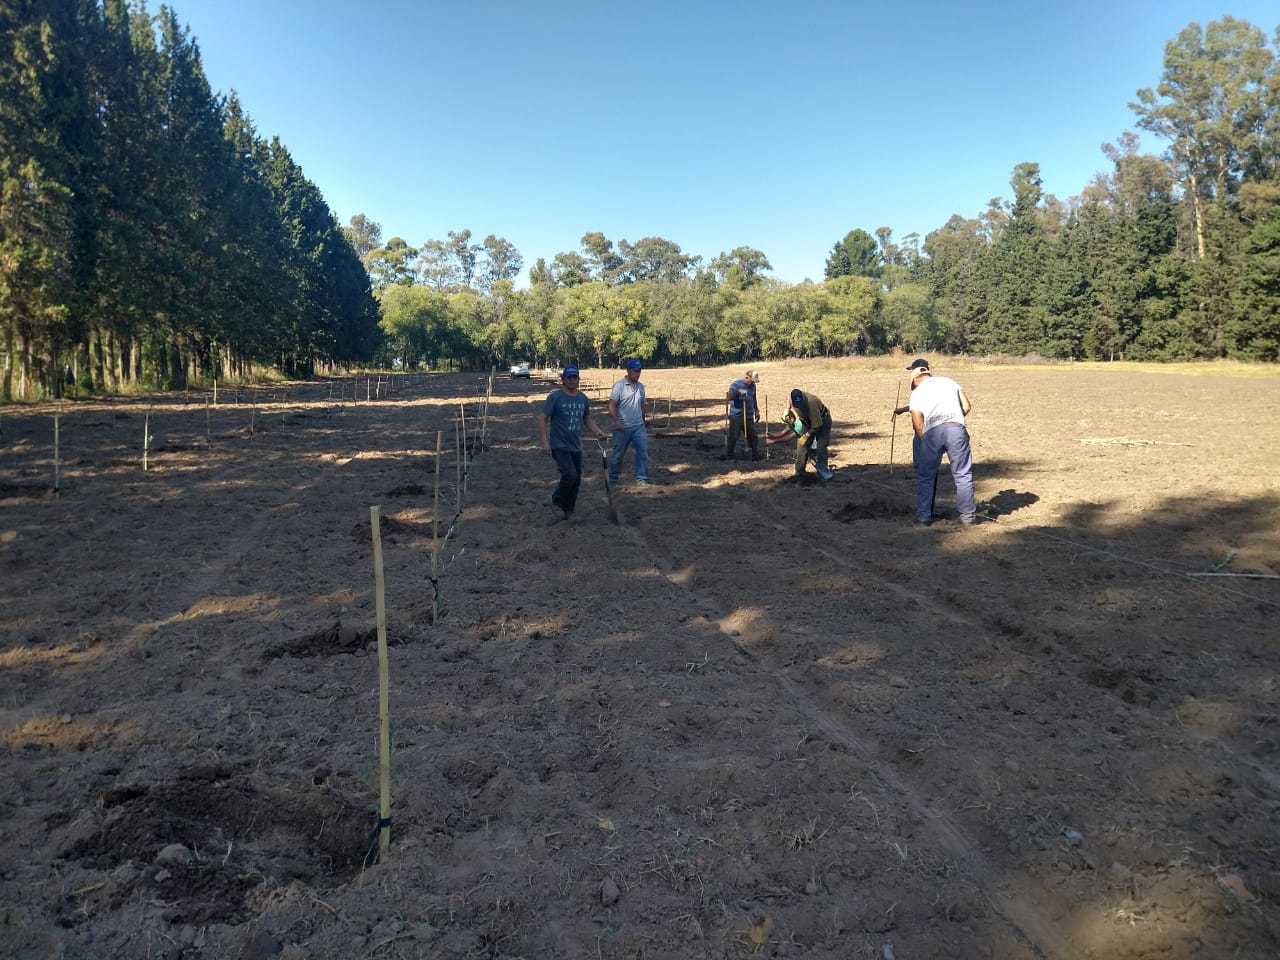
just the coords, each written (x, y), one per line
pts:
(779, 126)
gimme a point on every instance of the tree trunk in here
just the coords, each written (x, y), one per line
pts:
(1197, 216)
(6, 388)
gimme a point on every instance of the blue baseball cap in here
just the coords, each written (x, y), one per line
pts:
(569, 371)
(634, 365)
(797, 397)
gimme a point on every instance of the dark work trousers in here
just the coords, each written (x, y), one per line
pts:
(735, 434)
(570, 464)
(816, 448)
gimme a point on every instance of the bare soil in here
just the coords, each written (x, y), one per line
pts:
(753, 718)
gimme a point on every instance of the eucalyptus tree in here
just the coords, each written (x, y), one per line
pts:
(364, 235)
(741, 267)
(602, 262)
(500, 261)
(568, 269)
(395, 264)
(1212, 106)
(540, 273)
(655, 258)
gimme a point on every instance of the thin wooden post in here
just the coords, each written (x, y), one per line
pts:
(766, 426)
(146, 439)
(893, 432)
(56, 417)
(466, 459)
(457, 447)
(384, 686)
(435, 535)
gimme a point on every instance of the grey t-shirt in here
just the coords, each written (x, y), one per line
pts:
(630, 400)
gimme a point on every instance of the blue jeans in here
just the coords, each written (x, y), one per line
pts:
(570, 464)
(630, 437)
(953, 440)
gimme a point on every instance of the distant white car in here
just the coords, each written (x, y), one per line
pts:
(520, 369)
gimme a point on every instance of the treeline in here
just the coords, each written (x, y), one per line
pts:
(147, 234)
(1167, 257)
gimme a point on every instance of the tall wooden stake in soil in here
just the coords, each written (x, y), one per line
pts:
(893, 433)
(466, 460)
(457, 447)
(384, 686)
(55, 451)
(766, 428)
(435, 535)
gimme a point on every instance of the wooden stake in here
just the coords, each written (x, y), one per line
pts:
(893, 433)
(208, 424)
(384, 686)
(466, 459)
(435, 535)
(457, 447)
(55, 450)
(146, 439)
(766, 426)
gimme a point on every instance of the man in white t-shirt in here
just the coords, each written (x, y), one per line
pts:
(938, 410)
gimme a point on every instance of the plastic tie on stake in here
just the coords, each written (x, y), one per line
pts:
(371, 855)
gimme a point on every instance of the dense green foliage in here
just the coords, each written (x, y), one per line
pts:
(1164, 257)
(148, 235)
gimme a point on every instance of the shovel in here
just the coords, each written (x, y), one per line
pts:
(608, 487)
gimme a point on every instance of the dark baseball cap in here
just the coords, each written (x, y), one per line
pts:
(570, 372)
(634, 365)
(797, 397)
(919, 364)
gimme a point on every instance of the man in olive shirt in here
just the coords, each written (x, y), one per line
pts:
(811, 419)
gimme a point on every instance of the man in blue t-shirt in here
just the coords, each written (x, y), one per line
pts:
(564, 413)
(743, 414)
